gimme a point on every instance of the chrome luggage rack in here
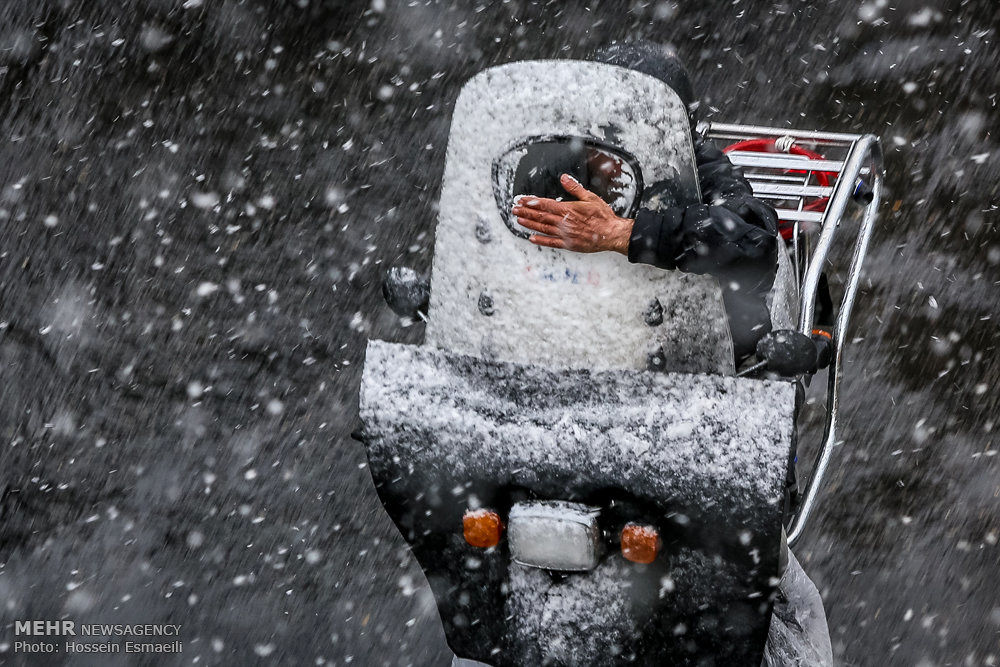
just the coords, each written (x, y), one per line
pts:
(810, 178)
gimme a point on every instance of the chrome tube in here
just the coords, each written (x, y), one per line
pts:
(798, 524)
(744, 131)
(864, 156)
(865, 147)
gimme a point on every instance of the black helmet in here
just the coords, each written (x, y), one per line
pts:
(653, 59)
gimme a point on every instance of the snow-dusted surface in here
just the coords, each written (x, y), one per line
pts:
(720, 438)
(798, 636)
(581, 617)
(446, 432)
(592, 305)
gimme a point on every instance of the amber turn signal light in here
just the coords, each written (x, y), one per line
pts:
(640, 544)
(482, 528)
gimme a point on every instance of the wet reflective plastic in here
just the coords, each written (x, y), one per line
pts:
(534, 167)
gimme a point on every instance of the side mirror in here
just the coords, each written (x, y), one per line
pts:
(407, 292)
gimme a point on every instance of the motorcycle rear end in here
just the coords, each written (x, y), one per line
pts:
(571, 456)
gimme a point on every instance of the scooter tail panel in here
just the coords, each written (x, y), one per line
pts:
(702, 459)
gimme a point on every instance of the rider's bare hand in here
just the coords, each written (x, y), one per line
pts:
(585, 225)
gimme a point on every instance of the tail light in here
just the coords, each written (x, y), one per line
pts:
(555, 535)
(482, 528)
(640, 544)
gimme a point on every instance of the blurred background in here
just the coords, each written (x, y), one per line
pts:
(198, 199)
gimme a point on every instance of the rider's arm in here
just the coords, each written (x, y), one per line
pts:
(731, 234)
(705, 239)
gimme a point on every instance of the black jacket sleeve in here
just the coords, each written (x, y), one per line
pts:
(731, 235)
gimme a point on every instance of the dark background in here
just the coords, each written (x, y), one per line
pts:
(196, 203)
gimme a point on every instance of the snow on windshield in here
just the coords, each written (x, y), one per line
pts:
(496, 295)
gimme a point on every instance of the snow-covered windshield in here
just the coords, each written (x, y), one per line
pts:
(534, 167)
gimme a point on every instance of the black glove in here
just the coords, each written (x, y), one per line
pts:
(406, 292)
(787, 352)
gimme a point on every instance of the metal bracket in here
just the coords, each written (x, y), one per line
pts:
(789, 180)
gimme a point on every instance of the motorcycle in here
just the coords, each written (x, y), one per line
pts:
(578, 466)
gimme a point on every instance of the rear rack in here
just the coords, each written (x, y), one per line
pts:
(793, 183)
(810, 192)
